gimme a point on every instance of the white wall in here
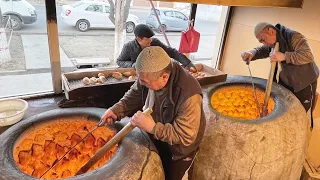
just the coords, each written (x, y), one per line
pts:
(241, 38)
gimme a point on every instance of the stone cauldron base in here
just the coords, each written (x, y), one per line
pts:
(272, 147)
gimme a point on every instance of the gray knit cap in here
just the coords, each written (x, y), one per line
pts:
(152, 59)
(260, 26)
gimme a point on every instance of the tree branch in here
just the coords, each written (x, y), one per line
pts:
(112, 12)
(126, 8)
(126, 11)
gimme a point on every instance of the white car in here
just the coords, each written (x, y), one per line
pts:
(20, 12)
(93, 14)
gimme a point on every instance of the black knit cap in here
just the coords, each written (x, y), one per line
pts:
(142, 31)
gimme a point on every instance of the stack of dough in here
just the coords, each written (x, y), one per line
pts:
(93, 80)
(102, 77)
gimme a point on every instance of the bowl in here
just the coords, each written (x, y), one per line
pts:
(12, 111)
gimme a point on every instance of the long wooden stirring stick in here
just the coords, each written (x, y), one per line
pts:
(269, 84)
(112, 142)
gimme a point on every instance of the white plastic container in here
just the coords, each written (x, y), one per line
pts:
(12, 111)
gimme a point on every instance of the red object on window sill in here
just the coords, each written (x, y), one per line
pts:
(189, 41)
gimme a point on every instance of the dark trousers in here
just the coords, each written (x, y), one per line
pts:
(306, 96)
(174, 169)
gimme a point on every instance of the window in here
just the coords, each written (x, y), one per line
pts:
(77, 4)
(107, 9)
(94, 8)
(24, 56)
(152, 12)
(179, 15)
(169, 13)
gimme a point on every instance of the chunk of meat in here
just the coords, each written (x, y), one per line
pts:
(89, 141)
(50, 148)
(37, 150)
(74, 153)
(75, 138)
(66, 174)
(100, 142)
(25, 158)
(60, 151)
(40, 168)
(27, 168)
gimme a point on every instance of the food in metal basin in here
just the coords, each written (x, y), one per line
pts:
(239, 102)
(44, 146)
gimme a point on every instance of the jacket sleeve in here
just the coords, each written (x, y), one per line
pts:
(173, 53)
(124, 59)
(260, 52)
(302, 53)
(185, 127)
(130, 103)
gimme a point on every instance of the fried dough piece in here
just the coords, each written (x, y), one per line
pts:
(131, 78)
(117, 75)
(100, 74)
(129, 73)
(86, 81)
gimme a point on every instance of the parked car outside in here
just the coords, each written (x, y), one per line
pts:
(171, 20)
(20, 12)
(93, 14)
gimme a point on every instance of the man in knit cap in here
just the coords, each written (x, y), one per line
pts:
(144, 34)
(299, 72)
(177, 123)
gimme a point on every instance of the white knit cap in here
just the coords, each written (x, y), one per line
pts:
(260, 26)
(152, 59)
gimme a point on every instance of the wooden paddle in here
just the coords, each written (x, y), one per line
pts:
(113, 141)
(269, 84)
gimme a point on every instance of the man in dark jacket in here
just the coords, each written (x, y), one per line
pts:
(177, 123)
(132, 49)
(295, 61)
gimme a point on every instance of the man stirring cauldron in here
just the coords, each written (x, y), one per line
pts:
(177, 123)
(297, 70)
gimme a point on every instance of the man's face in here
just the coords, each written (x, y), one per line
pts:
(268, 38)
(150, 82)
(144, 42)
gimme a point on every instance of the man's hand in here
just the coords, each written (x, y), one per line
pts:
(108, 118)
(247, 56)
(191, 67)
(142, 121)
(277, 56)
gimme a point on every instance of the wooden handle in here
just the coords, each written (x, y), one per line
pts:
(269, 83)
(112, 142)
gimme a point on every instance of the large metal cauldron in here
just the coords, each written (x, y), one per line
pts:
(272, 147)
(135, 158)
